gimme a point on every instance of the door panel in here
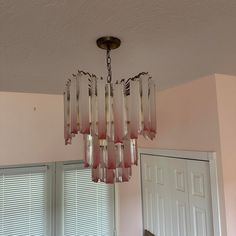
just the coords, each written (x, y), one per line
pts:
(179, 196)
(148, 197)
(162, 197)
(155, 184)
(200, 198)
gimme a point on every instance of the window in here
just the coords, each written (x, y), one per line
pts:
(36, 200)
(88, 206)
(23, 201)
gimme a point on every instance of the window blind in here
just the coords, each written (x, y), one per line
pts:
(23, 201)
(88, 206)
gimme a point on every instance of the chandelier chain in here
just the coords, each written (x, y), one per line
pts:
(108, 58)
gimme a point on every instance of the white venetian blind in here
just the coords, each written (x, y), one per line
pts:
(88, 206)
(23, 201)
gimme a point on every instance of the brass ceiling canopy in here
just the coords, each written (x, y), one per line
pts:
(108, 42)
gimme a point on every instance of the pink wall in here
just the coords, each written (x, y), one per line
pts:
(28, 135)
(130, 208)
(187, 117)
(226, 100)
(187, 120)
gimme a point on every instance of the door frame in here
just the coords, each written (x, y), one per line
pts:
(216, 194)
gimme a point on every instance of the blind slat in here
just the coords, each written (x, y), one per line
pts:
(88, 206)
(23, 201)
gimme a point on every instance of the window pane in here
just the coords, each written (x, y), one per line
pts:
(23, 202)
(88, 206)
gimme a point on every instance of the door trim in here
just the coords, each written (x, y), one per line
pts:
(214, 177)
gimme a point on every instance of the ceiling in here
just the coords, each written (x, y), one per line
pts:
(42, 42)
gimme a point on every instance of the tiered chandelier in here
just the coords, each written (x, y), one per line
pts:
(110, 116)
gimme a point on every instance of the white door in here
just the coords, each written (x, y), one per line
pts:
(156, 196)
(178, 184)
(176, 196)
(200, 198)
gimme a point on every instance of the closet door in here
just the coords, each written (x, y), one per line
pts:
(176, 196)
(178, 175)
(200, 198)
(156, 196)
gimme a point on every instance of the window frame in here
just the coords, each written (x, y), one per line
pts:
(59, 191)
(54, 193)
(49, 189)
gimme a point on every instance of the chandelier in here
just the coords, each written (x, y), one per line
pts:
(110, 115)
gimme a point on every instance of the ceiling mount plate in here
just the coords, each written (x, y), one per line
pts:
(108, 42)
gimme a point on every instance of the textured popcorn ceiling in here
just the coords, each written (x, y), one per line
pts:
(42, 42)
